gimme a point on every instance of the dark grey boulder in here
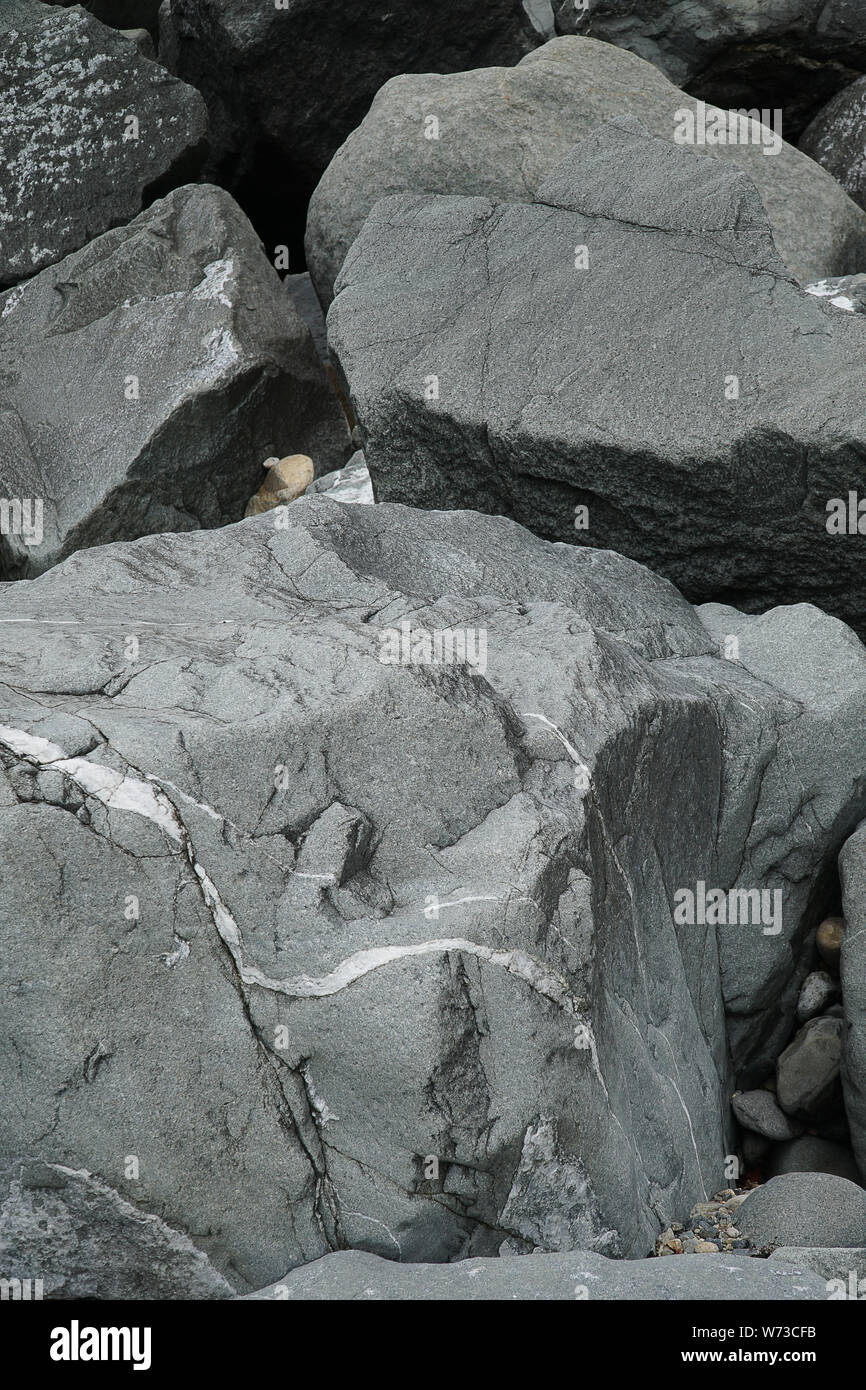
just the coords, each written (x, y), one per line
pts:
(699, 413)
(351, 1274)
(145, 379)
(122, 14)
(793, 54)
(817, 993)
(759, 1112)
(852, 871)
(500, 131)
(811, 1154)
(807, 1073)
(836, 138)
(83, 1240)
(91, 132)
(808, 1209)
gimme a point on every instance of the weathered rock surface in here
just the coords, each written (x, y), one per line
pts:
(852, 871)
(703, 431)
(818, 992)
(792, 54)
(145, 378)
(353, 1274)
(73, 164)
(303, 76)
(846, 292)
(501, 131)
(807, 1073)
(805, 1209)
(759, 1112)
(349, 484)
(122, 14)
(813, 1155)
(837, 139)
(827, 1263)
(83, 1240)
(374, 954)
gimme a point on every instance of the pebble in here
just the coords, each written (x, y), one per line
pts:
(818, 991)
(829, 941)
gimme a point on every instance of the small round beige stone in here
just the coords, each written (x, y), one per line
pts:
(829, 940)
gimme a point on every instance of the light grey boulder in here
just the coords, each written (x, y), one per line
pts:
(846, 292)
(793, 54)
(852, 871)
(818, 992)
(501, 131)
(836, 139)
(811, 1154)
(303, 296)
(83, 1240)
(804, 1209)
(349, 484)
(759, 1112)
(91, 132)
(583, 1275)
(145, 379)
(807, 1072)
(501, 348)
(303, 75)
(420, 914)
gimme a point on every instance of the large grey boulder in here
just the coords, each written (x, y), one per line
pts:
(500, 131)
(759, 1112)
(852, 871)
(83, 1240)
(626, 356)
(790, 54)
(289, 83)
(805, 1209)
(836, 138)
(391, 942)
(145, 379)
(91, 132)
(581, 1275)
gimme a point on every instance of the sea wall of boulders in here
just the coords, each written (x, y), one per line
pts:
(432, 679)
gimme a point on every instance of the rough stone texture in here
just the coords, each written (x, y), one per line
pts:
(86, 1241)
(828, 1264)
(804, 1209)
(837, 139)
(298, 920)
(792, 54)
(304, 76)
(184, 302)
(813, 1155)
(517, 381)
(503, 130)
(807, 1073)
(852, 871)
(349, 484)
(759, 1112)
(351, 1275)
(67, 85)
(303, 296)
(846, 292)
(819, 991)
(122, 14)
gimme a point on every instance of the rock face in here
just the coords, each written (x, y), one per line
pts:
(501, 131)
(728, 403)
(837, 139)
(144, 380)
(792, 54)
(303, 75)
(852, 870)
(390, 943)
(807, 1209)
(91, 132)
(86, 1241)
(351, 1274)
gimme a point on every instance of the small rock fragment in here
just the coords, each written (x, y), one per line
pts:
(829, 941)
